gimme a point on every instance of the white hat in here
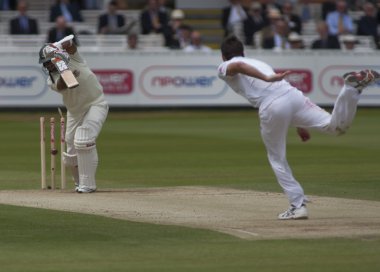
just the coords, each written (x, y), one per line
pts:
(349, 38)
(294, 37)
(177, 14)
(274, 13)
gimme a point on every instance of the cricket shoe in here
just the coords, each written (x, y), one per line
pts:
(362, 79)
(76, 187)
(294, 213)
(85, 189)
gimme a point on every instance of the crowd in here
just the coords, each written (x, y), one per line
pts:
(266, 24)
(278, 26)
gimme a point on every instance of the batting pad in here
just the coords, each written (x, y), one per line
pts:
(87, 157)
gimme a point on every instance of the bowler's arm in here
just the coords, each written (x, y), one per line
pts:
(239, 67)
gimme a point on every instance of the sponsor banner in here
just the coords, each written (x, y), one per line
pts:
(115, 81)
(21, 82)
(302, 79)
(182, 79)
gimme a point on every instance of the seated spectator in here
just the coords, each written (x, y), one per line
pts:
(233, 17)
(293, 20)
(256, 21)
(351, 43)
(368, 24)
(325, 40)
(295, 41)
(162, 6)
(64, 7)
(339, 22)
(327, 7)
(132, 41)
(23, 24)
(111, 22)
(275, 35)
(8, 4)
(196, 44)
(183, 37)
(152, 19)
(172, 32)
(60, 30)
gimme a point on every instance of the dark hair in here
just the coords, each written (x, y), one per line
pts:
(232, 47)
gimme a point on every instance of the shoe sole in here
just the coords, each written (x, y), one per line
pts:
(85, 192)
(295, 218)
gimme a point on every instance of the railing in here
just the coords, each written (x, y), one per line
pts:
(96, 43)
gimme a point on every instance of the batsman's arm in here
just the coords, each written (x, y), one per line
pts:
(70, 47)
(61, 85)
(245, 69)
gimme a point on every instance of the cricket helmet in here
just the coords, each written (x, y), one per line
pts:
(49, 52)
(46, 53)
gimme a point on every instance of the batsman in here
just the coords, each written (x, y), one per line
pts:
(87, 109)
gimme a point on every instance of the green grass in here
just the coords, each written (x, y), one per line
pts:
(42, 240)
(217, 148)
(175, 148)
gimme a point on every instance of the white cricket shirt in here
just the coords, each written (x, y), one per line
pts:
(89, 92)
(258, 92)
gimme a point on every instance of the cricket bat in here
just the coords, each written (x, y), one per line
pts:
(66, 74)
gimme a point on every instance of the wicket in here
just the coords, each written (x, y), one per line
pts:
(53, 153)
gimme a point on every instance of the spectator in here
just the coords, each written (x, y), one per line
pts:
(152, 19)
(132, 41)
(296, 41)
(196, 44)
(162, 6)
(327, 7)
(367, 25)
(305, 11)
(23, 24)
(184, 35)
(64, 7)
(325, 40)
(8, 4)
(233, 17)
(111, 22)
(349, 42)
(339, 22)
(60, 30)
(293, 20)
(275, 35)
(256, 21)
(173, 31)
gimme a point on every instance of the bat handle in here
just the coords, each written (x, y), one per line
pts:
(65, 39)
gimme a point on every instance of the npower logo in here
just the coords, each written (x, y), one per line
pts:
(185, 81)
(21, 82)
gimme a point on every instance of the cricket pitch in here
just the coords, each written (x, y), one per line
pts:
(242, 213)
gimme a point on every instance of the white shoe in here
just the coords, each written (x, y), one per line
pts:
(76, 187)
(85, 189)
(294, 213)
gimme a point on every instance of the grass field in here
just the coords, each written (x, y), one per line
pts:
(176, 148)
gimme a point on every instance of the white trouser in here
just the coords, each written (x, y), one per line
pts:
(294, 109)
(94, 119)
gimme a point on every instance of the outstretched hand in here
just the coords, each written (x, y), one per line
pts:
(278, 76)
(304, 134)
